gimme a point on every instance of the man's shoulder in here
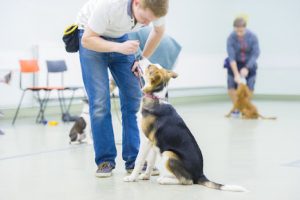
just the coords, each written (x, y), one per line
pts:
(251, 34)
(232, 36)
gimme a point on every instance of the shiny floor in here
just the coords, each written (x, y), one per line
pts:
(38, 163)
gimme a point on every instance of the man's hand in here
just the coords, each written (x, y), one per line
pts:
(237, 78)
(142, 63)
(244, 72)
(129, 47)
(135, 69)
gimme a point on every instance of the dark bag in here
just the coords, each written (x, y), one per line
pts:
(71, 39)
(226, 63)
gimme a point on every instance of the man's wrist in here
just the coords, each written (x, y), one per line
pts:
(115, 47)
(139, 57)
(237, 74)
(144, 62)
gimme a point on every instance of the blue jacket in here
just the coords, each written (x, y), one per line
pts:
(245, 52)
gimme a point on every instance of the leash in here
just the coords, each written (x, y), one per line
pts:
(140, 76)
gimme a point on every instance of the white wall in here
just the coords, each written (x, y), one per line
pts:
(33, 29)
(201, 26)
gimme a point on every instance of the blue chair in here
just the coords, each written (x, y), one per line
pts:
(165, 54)
(59, 67)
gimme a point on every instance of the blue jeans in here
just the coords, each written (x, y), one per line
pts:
(95, 67)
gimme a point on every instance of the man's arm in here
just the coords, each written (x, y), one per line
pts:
(153, 40)
(232, 59)
(255, 53)
(92, 41)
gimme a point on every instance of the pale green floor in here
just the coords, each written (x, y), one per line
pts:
(37, 163)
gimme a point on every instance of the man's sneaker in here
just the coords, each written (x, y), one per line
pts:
(155, 171)
(104, 170)
(235, 114)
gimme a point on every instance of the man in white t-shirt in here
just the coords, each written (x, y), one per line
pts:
(104, 45)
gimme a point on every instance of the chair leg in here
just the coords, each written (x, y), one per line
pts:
(71, 100)
(39, 113)
(46, 100)
(17, 112)
(43, 104)
(66, 106)
(61, 102)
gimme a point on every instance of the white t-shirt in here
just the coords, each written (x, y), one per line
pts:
(110, 18)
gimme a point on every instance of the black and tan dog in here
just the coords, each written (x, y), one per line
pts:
(167, 134)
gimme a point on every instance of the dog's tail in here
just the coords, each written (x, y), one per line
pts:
(270, 118)
(232, 188)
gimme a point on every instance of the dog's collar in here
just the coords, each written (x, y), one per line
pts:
(151, 96)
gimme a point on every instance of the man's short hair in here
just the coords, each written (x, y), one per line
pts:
(239, 22)
(158, 7)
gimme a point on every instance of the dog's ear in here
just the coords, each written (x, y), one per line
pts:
(155, 79)
(172, 74)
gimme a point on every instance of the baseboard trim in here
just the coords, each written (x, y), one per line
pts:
(191, 96)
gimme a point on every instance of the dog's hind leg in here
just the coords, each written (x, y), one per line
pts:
(167, 177)
(168, 181)
(174, 171)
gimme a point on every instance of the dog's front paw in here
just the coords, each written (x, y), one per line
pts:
(129, 179)
(228, 115)
(144, 176)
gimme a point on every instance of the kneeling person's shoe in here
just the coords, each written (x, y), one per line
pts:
(104, 170)
(235, 114)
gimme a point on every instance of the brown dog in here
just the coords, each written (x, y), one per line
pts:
(244, 105)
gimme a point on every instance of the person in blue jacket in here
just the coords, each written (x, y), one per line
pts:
(243, 52)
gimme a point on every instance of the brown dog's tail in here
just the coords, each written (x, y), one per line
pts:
(270, 118)
(232, 188)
